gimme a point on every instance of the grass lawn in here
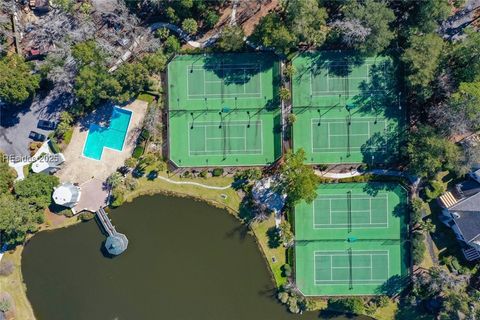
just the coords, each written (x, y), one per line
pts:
(215, 197)
(13, 284)
(146, 97)
(279, 254)
(388, 312)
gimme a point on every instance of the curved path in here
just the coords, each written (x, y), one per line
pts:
(194, 184)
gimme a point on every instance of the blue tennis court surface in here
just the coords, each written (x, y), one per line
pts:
(111, 137)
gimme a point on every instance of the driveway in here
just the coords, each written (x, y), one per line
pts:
(17, 122)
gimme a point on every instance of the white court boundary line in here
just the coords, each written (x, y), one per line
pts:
(322, 93)
(314, 124)
(241, 123)
(343, 282)
(382, 225)
(220, 96)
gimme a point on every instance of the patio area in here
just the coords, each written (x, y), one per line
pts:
(80, 169)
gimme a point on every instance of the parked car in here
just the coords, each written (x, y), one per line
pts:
(37, 136)
(46, 125)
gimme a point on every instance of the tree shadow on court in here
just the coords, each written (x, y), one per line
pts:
(372, 188)
(221, 65)
(382, 148)
(393, 286)
(322, 62)
(379, 97)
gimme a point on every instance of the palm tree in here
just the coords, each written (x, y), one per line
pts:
(427, 226)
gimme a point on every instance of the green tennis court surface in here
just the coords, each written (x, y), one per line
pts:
(347, 112)
(351, 240)
(224, 110)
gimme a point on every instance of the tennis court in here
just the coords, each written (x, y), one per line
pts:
(219, 138)
(351, 238)
(346, 112)
(224, 81)
(351, 266)
(350, 210)
(344, 134)
(223, 110)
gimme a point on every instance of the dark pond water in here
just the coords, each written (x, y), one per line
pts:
(186, 260)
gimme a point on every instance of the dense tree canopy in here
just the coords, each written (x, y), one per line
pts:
(375, 17)
(465, 57)
(17, 82)
(272, 32)
(36, 189)
(307, 21)
(430, 153)
(17, 218)
(422, 60)
(7, 175)
(298, 180)
(231, 39)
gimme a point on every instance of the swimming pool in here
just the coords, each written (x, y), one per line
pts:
(112, 137)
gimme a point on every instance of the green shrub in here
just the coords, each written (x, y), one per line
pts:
(86, 216)
(138, 152)
(322, 167)
(290, 256)
(352, 305)
(54, 146)
(418, 247)
(286, 270)
(217, 172)
(203, 174)
(118, 197)
(67, 213)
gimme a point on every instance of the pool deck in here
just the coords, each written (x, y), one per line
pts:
(94, 196)
(80, 169)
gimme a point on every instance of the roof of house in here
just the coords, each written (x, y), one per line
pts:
(469, 224)
(471, 203)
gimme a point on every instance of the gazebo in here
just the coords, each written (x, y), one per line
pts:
(66, 195)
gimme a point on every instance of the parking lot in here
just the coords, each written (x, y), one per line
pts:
(16, 124)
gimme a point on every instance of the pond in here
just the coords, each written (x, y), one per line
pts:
(185, 260)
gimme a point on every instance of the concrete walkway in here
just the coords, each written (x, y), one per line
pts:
(18, 166)
(193, 184)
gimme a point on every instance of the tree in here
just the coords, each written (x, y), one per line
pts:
(427, 226)
(283, 296)
(172, 45)
(17, 82)
(64, 125)
(422, 58)
(87, 53)
(272, 32)
(162, 33)
(466, 100)
(375, 17)
(36, 189)
(465, 57)
(131, 162)
(132, 78)
(426, 15)
(286, 233)
(284, 94)
(7, 174)
(211, 18)
(307, 21)
(93, 85)
(352, 305)
(297, 180)
(155, 63)
(429, 153)
(231, 38)
(190, 26)
(115, 179)
(291, 118)
(17, 218)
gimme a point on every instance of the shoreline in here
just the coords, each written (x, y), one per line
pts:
(23, 307)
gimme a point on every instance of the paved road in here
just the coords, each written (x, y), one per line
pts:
(453, 26)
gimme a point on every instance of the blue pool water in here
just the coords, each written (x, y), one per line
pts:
(111, 137)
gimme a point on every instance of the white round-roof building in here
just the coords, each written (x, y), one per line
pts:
(66, 195)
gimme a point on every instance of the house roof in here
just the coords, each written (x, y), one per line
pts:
(468, 204)
(469, 224)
